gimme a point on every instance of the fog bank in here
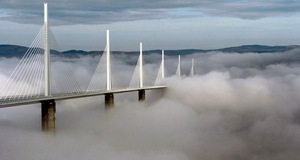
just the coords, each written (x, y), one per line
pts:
(238, 106)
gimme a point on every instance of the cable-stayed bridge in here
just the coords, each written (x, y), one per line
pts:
(34, 80)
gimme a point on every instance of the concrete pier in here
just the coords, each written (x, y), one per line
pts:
(48, 115)
(142, 95)
(109, 101)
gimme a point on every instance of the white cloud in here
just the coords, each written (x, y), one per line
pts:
(239, 106)
(104, 12)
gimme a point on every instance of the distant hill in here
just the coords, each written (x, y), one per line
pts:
(19, 51)
(258, 48)
(12, 51)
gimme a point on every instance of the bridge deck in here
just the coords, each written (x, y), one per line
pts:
(11, 103)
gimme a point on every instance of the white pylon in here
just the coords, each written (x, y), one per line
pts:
(46, 54)
(108, 67)
(141, 66)
(162, 64)
(178, 72)
(193, 68)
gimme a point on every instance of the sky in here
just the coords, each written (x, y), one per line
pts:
(159, 24)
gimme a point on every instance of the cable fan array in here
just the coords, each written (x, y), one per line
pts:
(63, 79)
(27, 79)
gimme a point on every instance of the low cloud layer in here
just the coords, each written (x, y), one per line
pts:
(238, 106)
(103, 12)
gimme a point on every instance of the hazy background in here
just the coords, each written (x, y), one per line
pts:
(161, 24)
(238, 106)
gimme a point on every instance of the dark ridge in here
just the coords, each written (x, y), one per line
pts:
(258, 48)
(19, 51)
(12, 50)
(75, 52)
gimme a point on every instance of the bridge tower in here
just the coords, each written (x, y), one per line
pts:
(46, 53)
(109, 97)
(193, 68)
(48, 106)
(178, 72)
(141, 93)
(162, 64)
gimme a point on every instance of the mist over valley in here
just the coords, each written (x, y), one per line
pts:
(237, 106)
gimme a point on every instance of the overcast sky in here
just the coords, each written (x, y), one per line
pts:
(159, 24)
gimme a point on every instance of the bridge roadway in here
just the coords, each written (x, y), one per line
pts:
(25, 101)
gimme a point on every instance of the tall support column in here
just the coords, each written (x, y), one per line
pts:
(162, 64)
(142, 95)
(109, 101)
(48, 115)
(141, 66)
(46, 54)
(109, 98)
(179, 67)
(193, 68)
(108, 67)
